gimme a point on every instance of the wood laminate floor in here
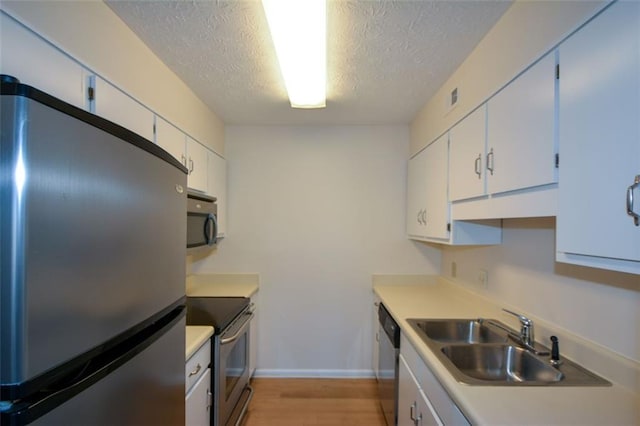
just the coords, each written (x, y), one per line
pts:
(314, 402)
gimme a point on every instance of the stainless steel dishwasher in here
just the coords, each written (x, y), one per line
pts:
(389, 351)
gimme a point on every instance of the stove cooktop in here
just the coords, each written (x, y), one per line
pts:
(218, 312)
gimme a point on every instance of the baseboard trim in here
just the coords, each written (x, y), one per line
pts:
(329, 374)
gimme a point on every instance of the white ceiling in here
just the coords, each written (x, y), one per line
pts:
(385, 58)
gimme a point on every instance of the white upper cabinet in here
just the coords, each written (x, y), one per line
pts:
(417, 195)
(437, 208)
(218, 188)
(187, 151)
(113, 104)
(428, 206)
(467, 143)
(172, 140)
(521, 145)
(600, 142)
(427, 203)
(37, 63)
(197, 165)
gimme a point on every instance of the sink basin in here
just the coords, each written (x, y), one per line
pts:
(479, 352)
(457, 331)
(503, 363)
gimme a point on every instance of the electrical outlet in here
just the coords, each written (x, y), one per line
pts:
(454, 269)
(483, 278)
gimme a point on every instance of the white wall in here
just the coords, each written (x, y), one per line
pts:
(316, 211)
(600, 306)
(93, 35)
(525, 32)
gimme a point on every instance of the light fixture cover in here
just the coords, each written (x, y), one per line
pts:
(299, 33)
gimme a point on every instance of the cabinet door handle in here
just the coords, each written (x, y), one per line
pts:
(418, 420)
(630, 212)
(419, 217)
(183, 160)
(477, 166)
(196, 371)
(490, 161)
(190, 165)
(412, 410)
(424, 217)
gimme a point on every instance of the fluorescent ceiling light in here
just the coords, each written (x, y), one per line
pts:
(299, 33)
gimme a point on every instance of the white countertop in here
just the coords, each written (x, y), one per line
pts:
(196, 336)
(492, 405)
(222, 285)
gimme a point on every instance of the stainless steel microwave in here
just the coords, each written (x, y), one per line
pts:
(202, 223)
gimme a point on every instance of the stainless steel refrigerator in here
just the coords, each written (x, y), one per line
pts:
(92, 262)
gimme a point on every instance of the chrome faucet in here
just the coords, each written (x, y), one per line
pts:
(526, 328)
(526, 333)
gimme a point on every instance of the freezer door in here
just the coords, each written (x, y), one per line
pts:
(147, 390)
(93, 235)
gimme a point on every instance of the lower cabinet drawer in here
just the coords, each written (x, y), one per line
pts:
(197, 364)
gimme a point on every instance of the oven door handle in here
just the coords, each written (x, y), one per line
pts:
(233, 338)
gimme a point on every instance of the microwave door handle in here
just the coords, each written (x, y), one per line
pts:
(210, 230)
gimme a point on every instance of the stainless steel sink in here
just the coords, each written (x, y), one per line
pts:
(484, 352)
(458, 331)
(503, 363)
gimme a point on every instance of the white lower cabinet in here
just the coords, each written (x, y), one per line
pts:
(253, 337)
(376, 338)
(421, 398)
(198, 399)
(414, 408)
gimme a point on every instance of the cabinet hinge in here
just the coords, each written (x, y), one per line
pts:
(449, 227)
(557, 71)
(91, 94)
(557, 161)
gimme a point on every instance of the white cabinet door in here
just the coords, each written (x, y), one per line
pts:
(521, 144)
(467, 143)
(253, 337)
(217, 187)
(417, 195)
(37, 63)
(171, 139)
(375, 358)
(414, 408)
(198, 402)
(111, 103)
(426, 416)
(427, 200)
(407, 395)
(437, 208)
(197, 165)
(600, 141)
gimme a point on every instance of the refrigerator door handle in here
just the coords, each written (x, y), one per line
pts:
(29, 409)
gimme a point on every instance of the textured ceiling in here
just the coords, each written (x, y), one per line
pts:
(385, 58)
